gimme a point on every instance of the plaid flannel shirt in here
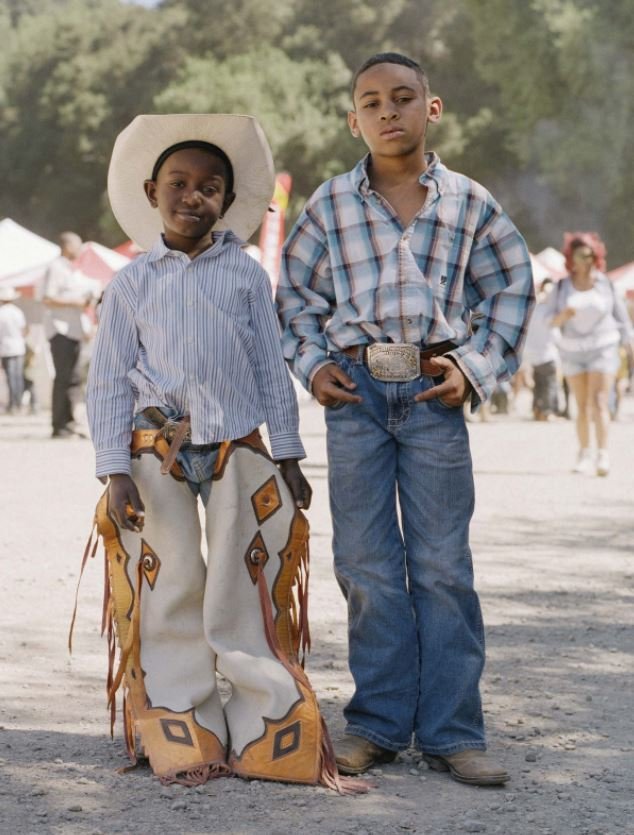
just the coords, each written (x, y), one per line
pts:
(351, 274)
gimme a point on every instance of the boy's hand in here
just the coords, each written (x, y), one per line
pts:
(297, 484)
(454, 389)
(125, 503)
(331, 386)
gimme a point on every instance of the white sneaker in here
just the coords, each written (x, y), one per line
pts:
(585, 463)
(603, 462)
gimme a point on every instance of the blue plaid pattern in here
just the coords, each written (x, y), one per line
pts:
(351, 274)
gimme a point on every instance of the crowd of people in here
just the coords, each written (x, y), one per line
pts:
(64, 309)
(579, 344)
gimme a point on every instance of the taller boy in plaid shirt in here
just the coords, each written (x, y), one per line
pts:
(381, 276)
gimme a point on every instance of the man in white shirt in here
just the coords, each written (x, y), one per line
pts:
(66, 295)
(12, 346)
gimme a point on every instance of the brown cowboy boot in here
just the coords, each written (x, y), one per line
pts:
(354, 754)
(476, 768)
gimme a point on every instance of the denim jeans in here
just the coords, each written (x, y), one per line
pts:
(13, 368)
(416, 638)
(545, 391)
(198, 466)
(65, 354)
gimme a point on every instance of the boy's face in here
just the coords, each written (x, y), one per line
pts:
(189, 192)
(392, 110)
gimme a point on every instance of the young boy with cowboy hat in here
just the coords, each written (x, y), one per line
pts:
(187, 364)
(380, 278)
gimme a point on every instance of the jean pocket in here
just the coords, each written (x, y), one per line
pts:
(336, 406)
(447, 406)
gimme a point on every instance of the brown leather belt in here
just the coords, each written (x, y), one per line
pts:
(360, 352)
(177, 433)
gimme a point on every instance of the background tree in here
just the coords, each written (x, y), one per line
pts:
(563, 71)
(538, 96)
(300, 104)
(73, 75)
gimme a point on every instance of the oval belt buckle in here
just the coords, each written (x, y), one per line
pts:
(393, 363)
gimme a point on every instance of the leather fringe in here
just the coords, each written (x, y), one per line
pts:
(128, 730)
(196, 776)
(329, 775)
(133, 633)
(89, 551)
(299, 604)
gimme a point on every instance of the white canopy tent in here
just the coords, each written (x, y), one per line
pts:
(23, 255)
(553, 262)
(539, 270)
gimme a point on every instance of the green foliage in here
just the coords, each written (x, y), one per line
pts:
(538, 96)
(563, 73)
(301, 105)
(73, 76)
(225, 29)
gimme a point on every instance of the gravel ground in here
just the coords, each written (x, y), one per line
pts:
(555, 569)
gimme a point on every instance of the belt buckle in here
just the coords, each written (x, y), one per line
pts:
(390, 363)
(169, 430)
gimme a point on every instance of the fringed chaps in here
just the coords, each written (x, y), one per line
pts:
(178, 622)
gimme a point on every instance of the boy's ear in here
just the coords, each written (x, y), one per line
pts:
(434, 109)
(353, 124)
(226, 203)
(149, 187)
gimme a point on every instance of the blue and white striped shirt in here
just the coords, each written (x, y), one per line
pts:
(351, 274)
(199, 336)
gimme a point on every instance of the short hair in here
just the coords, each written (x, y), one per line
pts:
(573, 240)
(208, 147)
(69, 238)
(392, 58)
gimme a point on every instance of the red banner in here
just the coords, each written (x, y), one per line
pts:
(272, 232)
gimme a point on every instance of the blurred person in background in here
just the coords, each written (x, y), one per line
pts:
(12, 346)
(30, 393)
(541, 354)
(65, 297)
(622, 382)
(593, 322)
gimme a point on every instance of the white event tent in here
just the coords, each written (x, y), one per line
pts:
(23, 255)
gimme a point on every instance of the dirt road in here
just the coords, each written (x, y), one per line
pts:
(555, 569)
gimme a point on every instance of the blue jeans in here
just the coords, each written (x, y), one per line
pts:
(13, 368)
(416, 638)
(198, 467)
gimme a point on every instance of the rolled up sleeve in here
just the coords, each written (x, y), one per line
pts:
(304, 297)
(501, 294)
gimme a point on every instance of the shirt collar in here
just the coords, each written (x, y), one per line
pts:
(432, 176)
(159, 249)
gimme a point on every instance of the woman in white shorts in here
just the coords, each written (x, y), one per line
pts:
(593, 323)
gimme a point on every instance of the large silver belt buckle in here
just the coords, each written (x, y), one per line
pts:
(391, 363)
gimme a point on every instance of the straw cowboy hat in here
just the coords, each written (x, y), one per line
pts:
(8, 294)
(138, 147)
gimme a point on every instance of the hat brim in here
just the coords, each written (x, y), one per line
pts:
(137, 148)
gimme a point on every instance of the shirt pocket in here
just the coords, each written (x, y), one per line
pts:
(228, 301)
